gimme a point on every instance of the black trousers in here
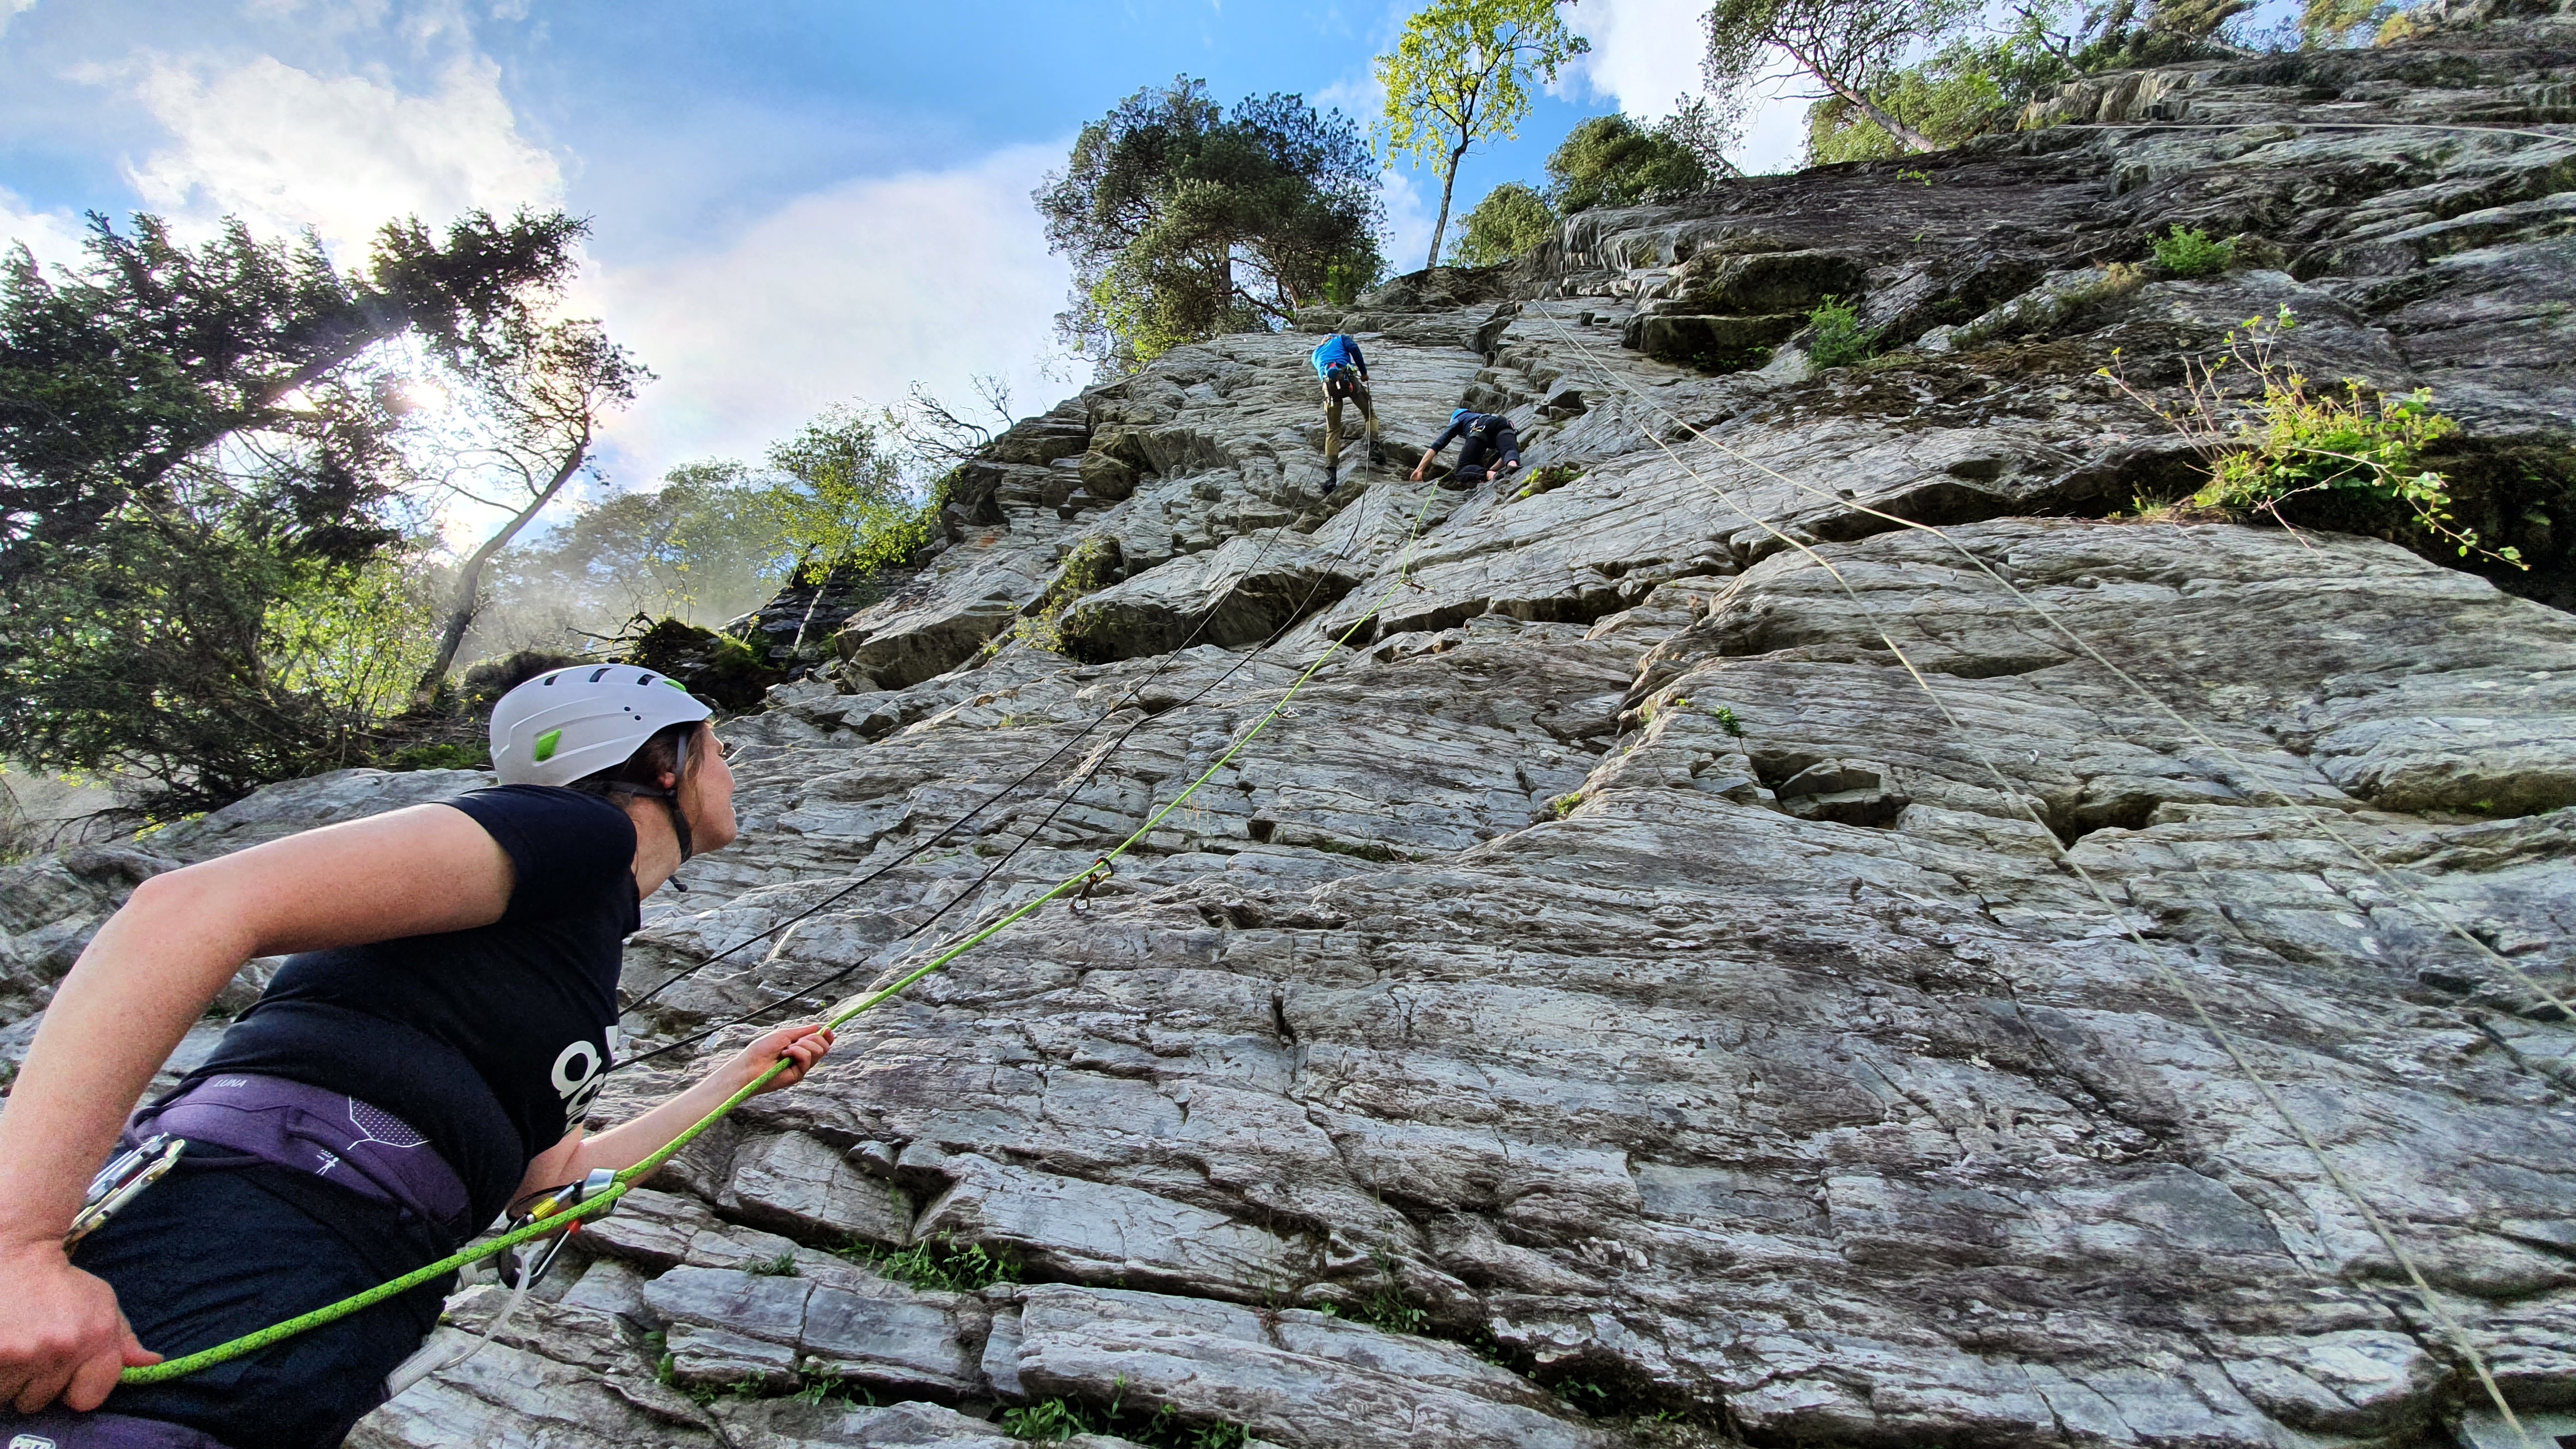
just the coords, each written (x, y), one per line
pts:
(206, 1255)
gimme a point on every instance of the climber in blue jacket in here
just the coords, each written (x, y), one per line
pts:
(1345, 373)
(1489, 449)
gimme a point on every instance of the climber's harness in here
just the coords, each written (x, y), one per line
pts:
(1341, 380)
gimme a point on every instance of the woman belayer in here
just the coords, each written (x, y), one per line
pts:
(423, 1058)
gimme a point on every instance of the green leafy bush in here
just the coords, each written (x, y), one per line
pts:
(1839, 340)
(1614, 161)
(2355, 454)
(1509, 221)
(446, 756)
(2188, 252)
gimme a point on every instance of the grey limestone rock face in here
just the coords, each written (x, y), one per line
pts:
(1799, 922)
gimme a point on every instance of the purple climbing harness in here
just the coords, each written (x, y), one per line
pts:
(331, 1135)
(63, 1429)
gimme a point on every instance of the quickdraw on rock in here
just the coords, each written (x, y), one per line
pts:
(1101, 870)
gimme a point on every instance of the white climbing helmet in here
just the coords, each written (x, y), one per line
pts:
(563, 725)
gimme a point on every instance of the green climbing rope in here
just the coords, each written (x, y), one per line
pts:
(593, 1207)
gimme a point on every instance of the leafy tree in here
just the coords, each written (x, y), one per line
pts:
(1183, 220)
(1509, 221)
(840, 500)
(2117, 37)
(137, 362)
(704, 547)
(1461, 74)
(1707, 128)
(1846, 45)
(1613, 161)
(1966, 89)
(201, 457)
(542, 390)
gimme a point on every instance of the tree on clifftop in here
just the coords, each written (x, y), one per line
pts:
(1847, 45)
(1461, 74)
(1509, 221)
(542, 389)
(1183, 220)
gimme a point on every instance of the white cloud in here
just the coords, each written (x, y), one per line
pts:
(1408, 218)
(1357, 95)
(285, 148)
(1646, 55)
(53, 236)
(847, 293)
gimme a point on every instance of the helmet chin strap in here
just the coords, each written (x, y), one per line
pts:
(670, 798)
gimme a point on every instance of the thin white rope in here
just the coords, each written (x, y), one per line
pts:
(435, 1359)
(2432, 1304)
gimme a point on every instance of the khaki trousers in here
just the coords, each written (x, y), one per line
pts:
(1333, 421)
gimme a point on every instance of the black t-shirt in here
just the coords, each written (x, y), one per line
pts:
(490, 1042)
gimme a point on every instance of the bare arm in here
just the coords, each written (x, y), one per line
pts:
(145, 979)
(633, 1140)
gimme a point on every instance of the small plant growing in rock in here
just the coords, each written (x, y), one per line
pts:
(1549, 479)
(1581, 1393)
(1839, 340)
(1046, 1420)
(2295, 440)
(1564, 805)
(2188, 252)
(1726, 720)
(782, 1266)
(939, 1264)
(1058, 1419)
(1093, 565)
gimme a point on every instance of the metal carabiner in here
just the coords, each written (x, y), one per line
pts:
(530, 1260)
(1101, 870)
(126, 1174)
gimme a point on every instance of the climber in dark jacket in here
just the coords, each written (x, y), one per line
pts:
(1490, 448)
(1345, 373)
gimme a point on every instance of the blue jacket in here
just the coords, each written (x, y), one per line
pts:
(1339, 348)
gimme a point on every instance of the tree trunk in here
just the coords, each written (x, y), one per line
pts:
(1448, 184)
(469, 577)
(1913, 139)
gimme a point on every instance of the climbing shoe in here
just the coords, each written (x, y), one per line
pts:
(1377, 455)
(1332, 477)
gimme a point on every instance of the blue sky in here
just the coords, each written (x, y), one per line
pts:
(794, 203)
